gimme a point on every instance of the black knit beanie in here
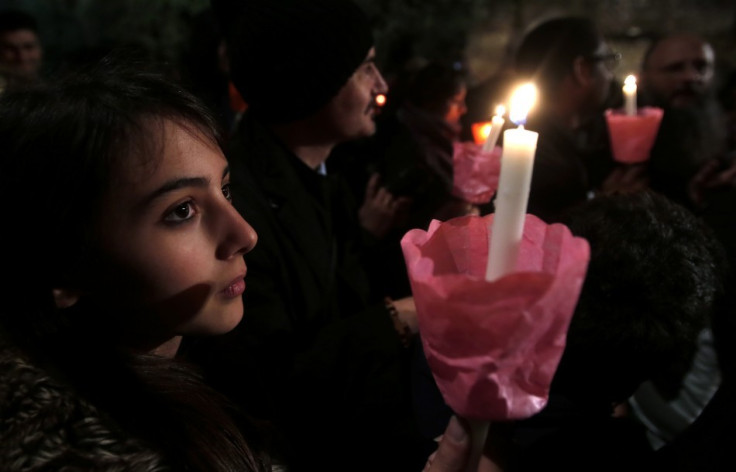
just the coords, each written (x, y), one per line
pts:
(288, 58)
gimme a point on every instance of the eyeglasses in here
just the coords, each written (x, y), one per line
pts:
(610, 60)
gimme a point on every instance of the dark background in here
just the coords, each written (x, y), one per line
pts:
(477, 32)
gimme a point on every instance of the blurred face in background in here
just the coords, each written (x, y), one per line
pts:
(603, 64)
(679, 71)
(20, 53)
(456, 107)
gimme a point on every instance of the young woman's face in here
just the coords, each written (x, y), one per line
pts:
(172, 244)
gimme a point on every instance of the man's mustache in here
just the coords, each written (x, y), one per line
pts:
(689, 90)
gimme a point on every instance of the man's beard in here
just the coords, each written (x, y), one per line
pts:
(704, 124)
(688, 137)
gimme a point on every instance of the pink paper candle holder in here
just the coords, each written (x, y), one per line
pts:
(493, 347)
(632, 137)
(475, 172)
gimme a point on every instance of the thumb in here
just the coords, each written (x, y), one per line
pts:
(454, 449)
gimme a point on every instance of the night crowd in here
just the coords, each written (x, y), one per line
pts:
(204, 271)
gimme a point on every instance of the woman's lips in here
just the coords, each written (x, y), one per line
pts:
(236, 288)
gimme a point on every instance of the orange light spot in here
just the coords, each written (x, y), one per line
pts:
(481, 131)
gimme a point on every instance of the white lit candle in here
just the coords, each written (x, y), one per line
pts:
(630, 95)
(517, 160)
(496, 126)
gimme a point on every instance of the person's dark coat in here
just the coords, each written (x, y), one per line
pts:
(46, 425)
(317, 352)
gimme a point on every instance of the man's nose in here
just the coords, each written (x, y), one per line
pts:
(380, 86)
(693, 74)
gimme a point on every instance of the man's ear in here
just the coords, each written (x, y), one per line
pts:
(581, 71)
(65, 297)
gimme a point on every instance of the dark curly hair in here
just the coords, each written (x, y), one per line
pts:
(654, 278)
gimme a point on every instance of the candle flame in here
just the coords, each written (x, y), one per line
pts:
(522, 101)
(630, 85)
(380, 99)
(500, 110)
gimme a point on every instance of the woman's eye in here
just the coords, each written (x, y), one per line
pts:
(180, 213)
(227, 192)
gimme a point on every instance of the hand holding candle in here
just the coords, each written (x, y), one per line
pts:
(517, 159)
(483, 334)
(496, 126)
(514, 183)
(629, 90)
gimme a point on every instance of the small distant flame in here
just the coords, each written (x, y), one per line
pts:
(485, 130)
(522, 101)
(630, 84)
(380, 99)
(500, 110)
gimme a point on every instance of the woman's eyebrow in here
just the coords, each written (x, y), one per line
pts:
(175, 184)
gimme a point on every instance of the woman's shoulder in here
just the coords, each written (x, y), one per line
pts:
(44, 424)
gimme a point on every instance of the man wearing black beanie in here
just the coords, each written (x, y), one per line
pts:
(318, 353)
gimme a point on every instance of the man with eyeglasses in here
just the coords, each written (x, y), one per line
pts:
(572, 66)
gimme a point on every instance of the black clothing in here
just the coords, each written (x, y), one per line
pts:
(573, 436)
(567, 165)
(412, 151)
(687, 138)
(316, 351)
(569, 435)
(46, 425)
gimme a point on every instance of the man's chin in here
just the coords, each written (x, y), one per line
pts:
(365, 131)
(368, 130)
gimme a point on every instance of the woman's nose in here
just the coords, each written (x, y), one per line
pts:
(238, 236)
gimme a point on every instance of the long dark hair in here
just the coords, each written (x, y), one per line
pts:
(60, 145)
(547, 52)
